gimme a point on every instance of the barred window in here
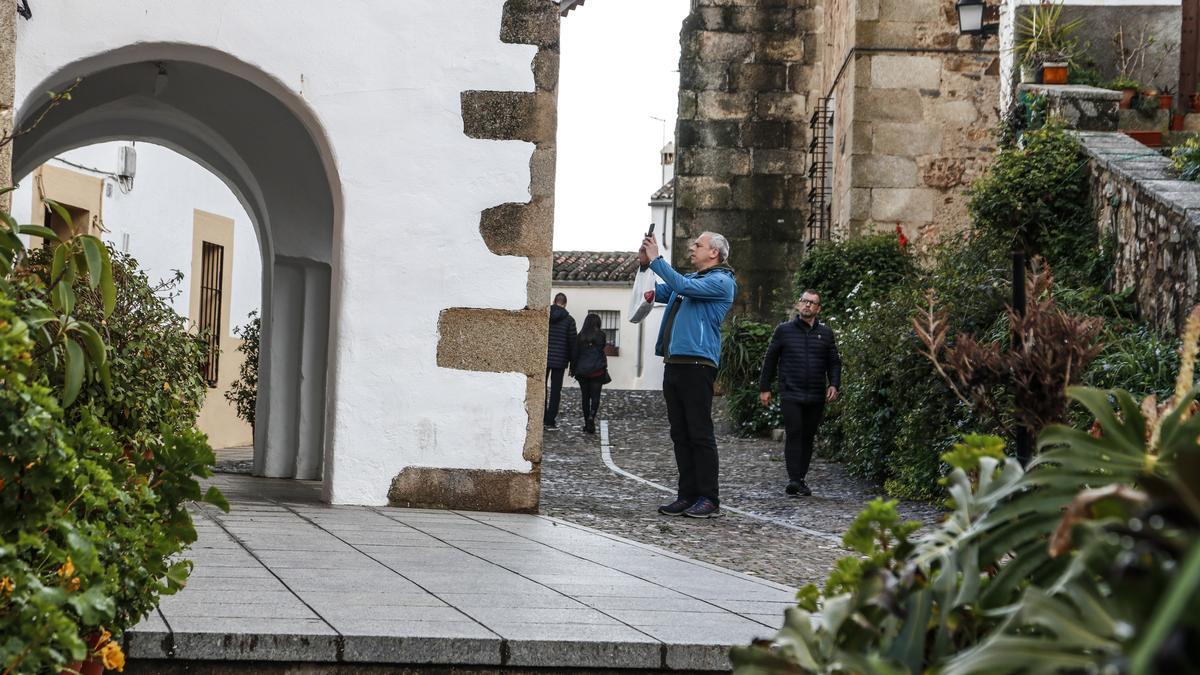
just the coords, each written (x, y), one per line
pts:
(610, 322)
(212, 265)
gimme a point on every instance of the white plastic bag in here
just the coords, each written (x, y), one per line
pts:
(639, 306)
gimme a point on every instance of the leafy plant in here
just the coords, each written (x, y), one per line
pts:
(743, 348)
(1035, 196)
(856, 272)
(1185, 159)
(1043, 36)
(1085, 562)
(1123, 82)
(1047, 351)
(243, 393)
(92, 495)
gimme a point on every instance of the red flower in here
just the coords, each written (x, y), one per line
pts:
(900, 236)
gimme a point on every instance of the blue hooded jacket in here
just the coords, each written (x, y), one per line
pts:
(705, 299)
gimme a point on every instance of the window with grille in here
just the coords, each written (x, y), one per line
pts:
(610, 322)
(212, 264)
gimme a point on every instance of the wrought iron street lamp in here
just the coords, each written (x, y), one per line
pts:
(973, 18)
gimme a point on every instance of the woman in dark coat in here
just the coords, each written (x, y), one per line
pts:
(590, 368)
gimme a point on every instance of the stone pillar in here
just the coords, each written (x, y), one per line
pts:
(8, 74)
(745, 87)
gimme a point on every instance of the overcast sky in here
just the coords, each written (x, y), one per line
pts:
(618, 70)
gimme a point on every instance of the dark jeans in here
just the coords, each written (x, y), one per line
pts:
(689, 392)
(801, 421)
(553, 394)
(590, 387)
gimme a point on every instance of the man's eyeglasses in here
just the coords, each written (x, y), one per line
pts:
(809, 302)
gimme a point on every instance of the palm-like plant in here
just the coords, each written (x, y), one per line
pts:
(1088, 560)
(1043, 35)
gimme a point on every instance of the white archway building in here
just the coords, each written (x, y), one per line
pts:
(343, 130)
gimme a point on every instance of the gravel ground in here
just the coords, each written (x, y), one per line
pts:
(577, 486)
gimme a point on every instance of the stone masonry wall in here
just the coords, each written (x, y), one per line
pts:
(516, 341)
(747, 80)
(915, 106)
(1154, 220)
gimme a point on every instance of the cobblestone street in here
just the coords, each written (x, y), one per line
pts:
(577, 486)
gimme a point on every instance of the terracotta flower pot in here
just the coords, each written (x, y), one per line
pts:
(1055, 73)
(1176, 122)
(1152, 139)
(1127, 98)
(1164, 101)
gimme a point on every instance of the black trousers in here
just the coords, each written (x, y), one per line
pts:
(590, 388)
(801, 421)
(553, 394)
(689, 392)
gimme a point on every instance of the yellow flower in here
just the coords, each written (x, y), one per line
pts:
(67, 569)
(7, 585)
(112, 656)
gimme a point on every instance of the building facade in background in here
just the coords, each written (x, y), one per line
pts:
(170, 214)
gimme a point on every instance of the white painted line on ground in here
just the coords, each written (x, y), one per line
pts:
(606, 455)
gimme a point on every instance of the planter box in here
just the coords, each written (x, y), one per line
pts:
(1055, 73)
(1151, 139)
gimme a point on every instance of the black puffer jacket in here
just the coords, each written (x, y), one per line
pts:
(560, 349)
(807, 359)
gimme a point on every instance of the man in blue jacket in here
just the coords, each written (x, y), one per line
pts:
(810, 374)
(689, 341)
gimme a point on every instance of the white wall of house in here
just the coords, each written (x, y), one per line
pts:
(377, 89)
(155, 217)
(636, 341)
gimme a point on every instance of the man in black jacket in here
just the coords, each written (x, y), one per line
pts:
(560, 353)
(810, 373)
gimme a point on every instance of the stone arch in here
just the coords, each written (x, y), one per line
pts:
(266, 145)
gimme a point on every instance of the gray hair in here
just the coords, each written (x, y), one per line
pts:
(720, 243)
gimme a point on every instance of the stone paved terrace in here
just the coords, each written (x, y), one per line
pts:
(284, 583)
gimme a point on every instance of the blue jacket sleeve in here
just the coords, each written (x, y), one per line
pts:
(707, 287)
(662, 292)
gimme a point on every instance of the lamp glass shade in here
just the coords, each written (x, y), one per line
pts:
(970, 16)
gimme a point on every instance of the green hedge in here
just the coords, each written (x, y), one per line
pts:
(896, 416)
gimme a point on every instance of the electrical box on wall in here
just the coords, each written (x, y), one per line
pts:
(126, 161)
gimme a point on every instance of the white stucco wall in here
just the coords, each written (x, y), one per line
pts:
(157, 214)
(622, 368)
(379, 84)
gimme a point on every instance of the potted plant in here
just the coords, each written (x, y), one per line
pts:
(1166, 96)
(1045, 38)
(1128, 88)
(1029, 72)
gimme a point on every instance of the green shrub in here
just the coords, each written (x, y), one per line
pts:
(51, 579)
(1185, 159)
(855, 272)
(1035, 195)
(896, 416)
(743, 347)
(243, 393)
(114, 467)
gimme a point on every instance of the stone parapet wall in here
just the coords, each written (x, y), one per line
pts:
(747, 82)
(1081, 107)
(1153, 218)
